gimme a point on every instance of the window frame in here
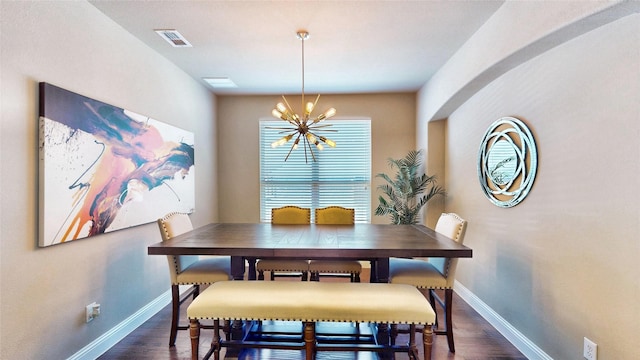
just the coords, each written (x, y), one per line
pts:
(296, 177)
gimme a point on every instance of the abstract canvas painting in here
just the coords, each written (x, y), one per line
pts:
(103, 168)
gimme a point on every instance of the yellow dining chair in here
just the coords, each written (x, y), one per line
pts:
(286, 215)
(435, 273)
(188, 269)
(335, 215)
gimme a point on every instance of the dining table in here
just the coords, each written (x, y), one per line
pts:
(376, 243)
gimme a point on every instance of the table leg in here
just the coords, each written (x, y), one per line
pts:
(373, 275)
(252, 268)
(237, 267)
(382, 270)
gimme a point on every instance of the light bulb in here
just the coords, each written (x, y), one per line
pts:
(328, 141)
(277, 114)
(319, 146)
(309, 108)
(281, 107)
(311, 138)
(281, 141)
(329, 113)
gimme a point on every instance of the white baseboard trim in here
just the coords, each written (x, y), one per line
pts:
(515, 337)
(103, 343)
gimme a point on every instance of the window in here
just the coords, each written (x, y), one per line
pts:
(341, 176)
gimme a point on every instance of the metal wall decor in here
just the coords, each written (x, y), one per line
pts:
(507, 162)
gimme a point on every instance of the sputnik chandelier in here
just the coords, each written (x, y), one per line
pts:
(303, 127)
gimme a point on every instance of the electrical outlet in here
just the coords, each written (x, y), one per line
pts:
(590, 351)
(92, 311)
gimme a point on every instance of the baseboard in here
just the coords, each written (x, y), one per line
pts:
(522, 343)
(100, 345)
(103, 343)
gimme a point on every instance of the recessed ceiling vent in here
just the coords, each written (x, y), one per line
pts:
(173, 37)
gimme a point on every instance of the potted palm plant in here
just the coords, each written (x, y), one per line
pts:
(406, 193)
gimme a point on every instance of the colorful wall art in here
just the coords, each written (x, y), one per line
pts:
(103, 168)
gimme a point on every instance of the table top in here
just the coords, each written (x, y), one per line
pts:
(359, 241)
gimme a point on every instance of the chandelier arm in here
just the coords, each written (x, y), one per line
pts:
(290, 150)
(294, 121)
(319, 126)
(313, 156)
(288, 131)
(287, 103)
(304, 144)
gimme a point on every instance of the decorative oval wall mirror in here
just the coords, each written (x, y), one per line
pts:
(507, 162)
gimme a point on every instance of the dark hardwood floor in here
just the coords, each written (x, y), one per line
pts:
(475, 339)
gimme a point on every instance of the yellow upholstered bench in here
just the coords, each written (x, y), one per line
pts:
(311, 302)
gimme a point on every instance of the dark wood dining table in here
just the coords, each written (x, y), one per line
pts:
(365, 242)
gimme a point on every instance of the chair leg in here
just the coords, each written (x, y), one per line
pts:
(427, 341)
(432, 300)
(260, 275)
(194, 331)
(175, 314)
(448, 300)
(356, 277)
(304, 276)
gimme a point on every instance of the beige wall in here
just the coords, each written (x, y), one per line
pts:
(559, 266)
(563, 264)
(44, 291)
(392, 132)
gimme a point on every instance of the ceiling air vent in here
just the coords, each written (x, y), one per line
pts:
(173, 37)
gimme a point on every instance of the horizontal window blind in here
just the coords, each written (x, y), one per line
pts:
(340, 176)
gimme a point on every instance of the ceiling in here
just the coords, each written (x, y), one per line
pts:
(354, 46)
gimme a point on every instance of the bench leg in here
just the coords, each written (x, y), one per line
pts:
(427, 339)
(394, 333)
(194, 331)
(309, 340)
(413, 350)
(215, 343)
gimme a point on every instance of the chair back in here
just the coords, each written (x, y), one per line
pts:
(290, 215)
(335, 215)
(172, 225)
(454, 227)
